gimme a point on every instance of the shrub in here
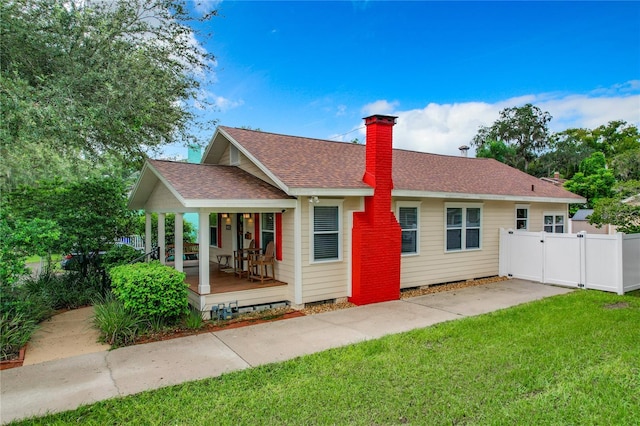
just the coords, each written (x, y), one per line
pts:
(15, 332)
(193, 319)
(118, 325)
(68, 290)
(151, 289)
(119, 254)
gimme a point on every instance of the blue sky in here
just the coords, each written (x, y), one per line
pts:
(444, 68)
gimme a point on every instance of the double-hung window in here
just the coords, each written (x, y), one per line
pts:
(554, 222)
(326, 232)
(522, 217)
(268, 229)
(213, 229)
(408, 215)
(463, 226)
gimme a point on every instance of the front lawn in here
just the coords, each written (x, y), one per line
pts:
(572, 359)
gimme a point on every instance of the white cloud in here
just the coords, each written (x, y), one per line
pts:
(442, 128)
(379, 107)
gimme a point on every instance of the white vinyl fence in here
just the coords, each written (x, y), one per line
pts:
(599, 262)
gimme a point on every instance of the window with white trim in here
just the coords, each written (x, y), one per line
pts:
(408, 214)
(554, 222)
(267, 229)
(522, 217)
(326, 231)
(463, 227)
(213, 229)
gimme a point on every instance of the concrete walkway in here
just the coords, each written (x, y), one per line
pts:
(65, 384)
(64, 335)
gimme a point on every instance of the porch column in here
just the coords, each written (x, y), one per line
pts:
(147, 232)
(178, 243)
(203, 255)
(161, 243)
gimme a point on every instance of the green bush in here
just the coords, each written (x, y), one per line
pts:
(68, 290)
(119, 254)
(151, 289)
(118, 325)
(15, 332)
(193, 320)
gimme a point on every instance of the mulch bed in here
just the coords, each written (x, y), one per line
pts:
(286, 313)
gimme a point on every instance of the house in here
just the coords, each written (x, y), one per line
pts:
(556, 179)
(580, 223)
(347, 220)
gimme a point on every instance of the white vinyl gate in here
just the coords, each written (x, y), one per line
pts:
(599, 262)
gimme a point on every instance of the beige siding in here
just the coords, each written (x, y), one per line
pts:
(245, 164)
(162, 200)
(536, 213)
(434, 265)
(285, 269)
(328, 280)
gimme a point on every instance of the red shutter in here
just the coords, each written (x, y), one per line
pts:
(278, 236)
(219, 230)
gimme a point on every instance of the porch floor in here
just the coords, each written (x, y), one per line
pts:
(220, 281)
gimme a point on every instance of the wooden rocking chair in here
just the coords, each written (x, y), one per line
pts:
(258, 265)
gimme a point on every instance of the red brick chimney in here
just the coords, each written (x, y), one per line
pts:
(376, 238)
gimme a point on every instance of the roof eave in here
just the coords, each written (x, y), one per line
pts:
(239, 204)
(331, 192)
(489, 197)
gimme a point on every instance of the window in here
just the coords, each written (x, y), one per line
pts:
(408, 215)
(213, 229)
(267, 231)
(326, 233)
(522, 217)
(463, 223)
(554, 223)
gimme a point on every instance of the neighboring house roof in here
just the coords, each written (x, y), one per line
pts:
(305, 166)
(582, 214)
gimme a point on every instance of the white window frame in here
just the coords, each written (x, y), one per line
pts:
(269, 231)
(526, 219)
(463, 228)
(211, 242)
(415, 205)
(555, 214)
(325, 203)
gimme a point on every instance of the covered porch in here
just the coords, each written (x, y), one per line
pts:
(225, 286)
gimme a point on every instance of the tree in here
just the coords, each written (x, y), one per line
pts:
(614, 138)
(169, 221)
(625, 216)
(627, 164)
(593, 181)
(21, 239)
(566, 151)
(89, 215)
(523, 128)
(80, 80)
(497, 150)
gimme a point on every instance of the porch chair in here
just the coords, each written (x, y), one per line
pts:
(240, 256)
(258, 265)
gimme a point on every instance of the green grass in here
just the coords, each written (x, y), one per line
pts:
(36, 259)
(572, 359)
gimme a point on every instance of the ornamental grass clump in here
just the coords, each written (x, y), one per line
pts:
(151, 290)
